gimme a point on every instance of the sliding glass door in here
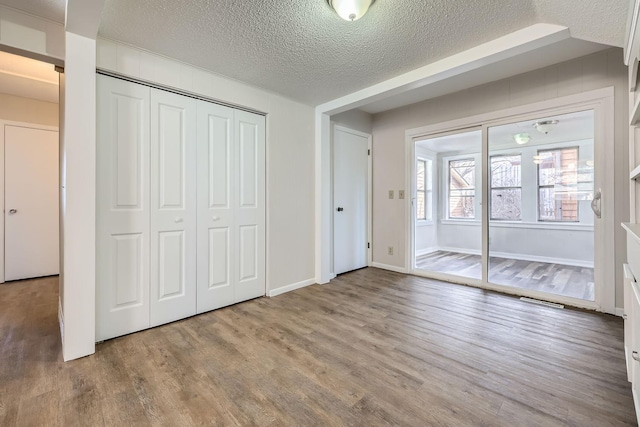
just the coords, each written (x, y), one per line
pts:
(448, 201)
(512, 206)
(541, 185)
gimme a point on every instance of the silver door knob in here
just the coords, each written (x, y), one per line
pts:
(12, 211)
(178, 220)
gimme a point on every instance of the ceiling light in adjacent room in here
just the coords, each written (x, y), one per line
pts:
(545, 126)
(350, 10)
(521, 138)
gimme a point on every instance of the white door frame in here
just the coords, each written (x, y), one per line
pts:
(602, 102)
(369, 192)
(4, 123)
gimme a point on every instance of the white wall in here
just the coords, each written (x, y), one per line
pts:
(31, 36)
(290, 153)
(19, 109)
(603, 69)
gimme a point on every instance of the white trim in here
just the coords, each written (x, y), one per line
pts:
(3, 124)
(389, 267)
(425, 251)
(61, 318)
(601, 101)
(292, 287)
(460, 250)
(619, 311)
(547, 260)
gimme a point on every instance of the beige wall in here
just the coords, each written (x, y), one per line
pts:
(28, 110)
(603, 69)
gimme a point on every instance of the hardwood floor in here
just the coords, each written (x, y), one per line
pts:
(370, 348)
(557, 279)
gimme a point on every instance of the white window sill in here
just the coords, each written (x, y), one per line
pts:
(542, 225)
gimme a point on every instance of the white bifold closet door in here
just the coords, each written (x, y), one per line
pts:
(122, 204)
(231, 206)
(180, 207)
(173, 207)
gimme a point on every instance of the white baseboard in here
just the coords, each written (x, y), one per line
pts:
(420, 252)
(460, 250)
(619, 311)
(291, 287)
(548, 260)
(521, 257)
(389, 267)
(61, 319)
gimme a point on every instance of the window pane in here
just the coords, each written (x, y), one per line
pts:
(506, 171)
(420, 174)
(462, 174)
(420, 206)
(461, 204)
(429, 205)
(506, 204)
(558, 203)
(558, 172)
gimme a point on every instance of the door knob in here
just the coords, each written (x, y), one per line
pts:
(12, 211)
(215, 218)
(339, 209)
(178, 220)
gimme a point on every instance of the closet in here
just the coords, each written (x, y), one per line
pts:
(180, 207)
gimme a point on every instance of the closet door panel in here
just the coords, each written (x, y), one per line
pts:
(216, 245)
(173, 207)
(249, 229)
(122, 208)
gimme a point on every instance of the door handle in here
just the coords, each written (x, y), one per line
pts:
(178, 220)
(339, 209)
(12, 211)
(596, 203)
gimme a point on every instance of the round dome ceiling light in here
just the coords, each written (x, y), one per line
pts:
(545, 126)
(350, 10)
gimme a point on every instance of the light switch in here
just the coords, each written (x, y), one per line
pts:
(400, 194)
(391, 194)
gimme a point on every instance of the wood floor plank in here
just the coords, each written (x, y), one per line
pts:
(370, 348)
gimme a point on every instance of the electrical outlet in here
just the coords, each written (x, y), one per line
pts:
(391, 194)
(400, 194)
(390, 250)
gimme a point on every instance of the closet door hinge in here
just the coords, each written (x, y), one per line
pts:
(368, 152)
(368, 245)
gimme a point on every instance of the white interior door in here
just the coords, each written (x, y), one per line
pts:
(231, 206)
(173, 207)
(350, 200)
(216, 248)
(122, 252)
(249, 209)
(31, 203)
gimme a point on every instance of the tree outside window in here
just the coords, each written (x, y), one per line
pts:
(506, 187)
(462, 181)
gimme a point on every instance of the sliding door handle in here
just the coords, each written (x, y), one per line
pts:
(596, 204)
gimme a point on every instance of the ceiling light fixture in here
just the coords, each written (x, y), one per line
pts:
(350, 10)
(521, 138)
(545, 126)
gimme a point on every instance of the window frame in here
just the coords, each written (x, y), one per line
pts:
(491, 187)
(427, 191)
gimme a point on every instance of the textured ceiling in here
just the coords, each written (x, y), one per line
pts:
(303, 50)
(49, 9)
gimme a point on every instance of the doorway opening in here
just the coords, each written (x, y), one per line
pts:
(30, 169)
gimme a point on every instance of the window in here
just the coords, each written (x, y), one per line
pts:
(558, 184)
(424, 190)
(506, 187)
(462, 181)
